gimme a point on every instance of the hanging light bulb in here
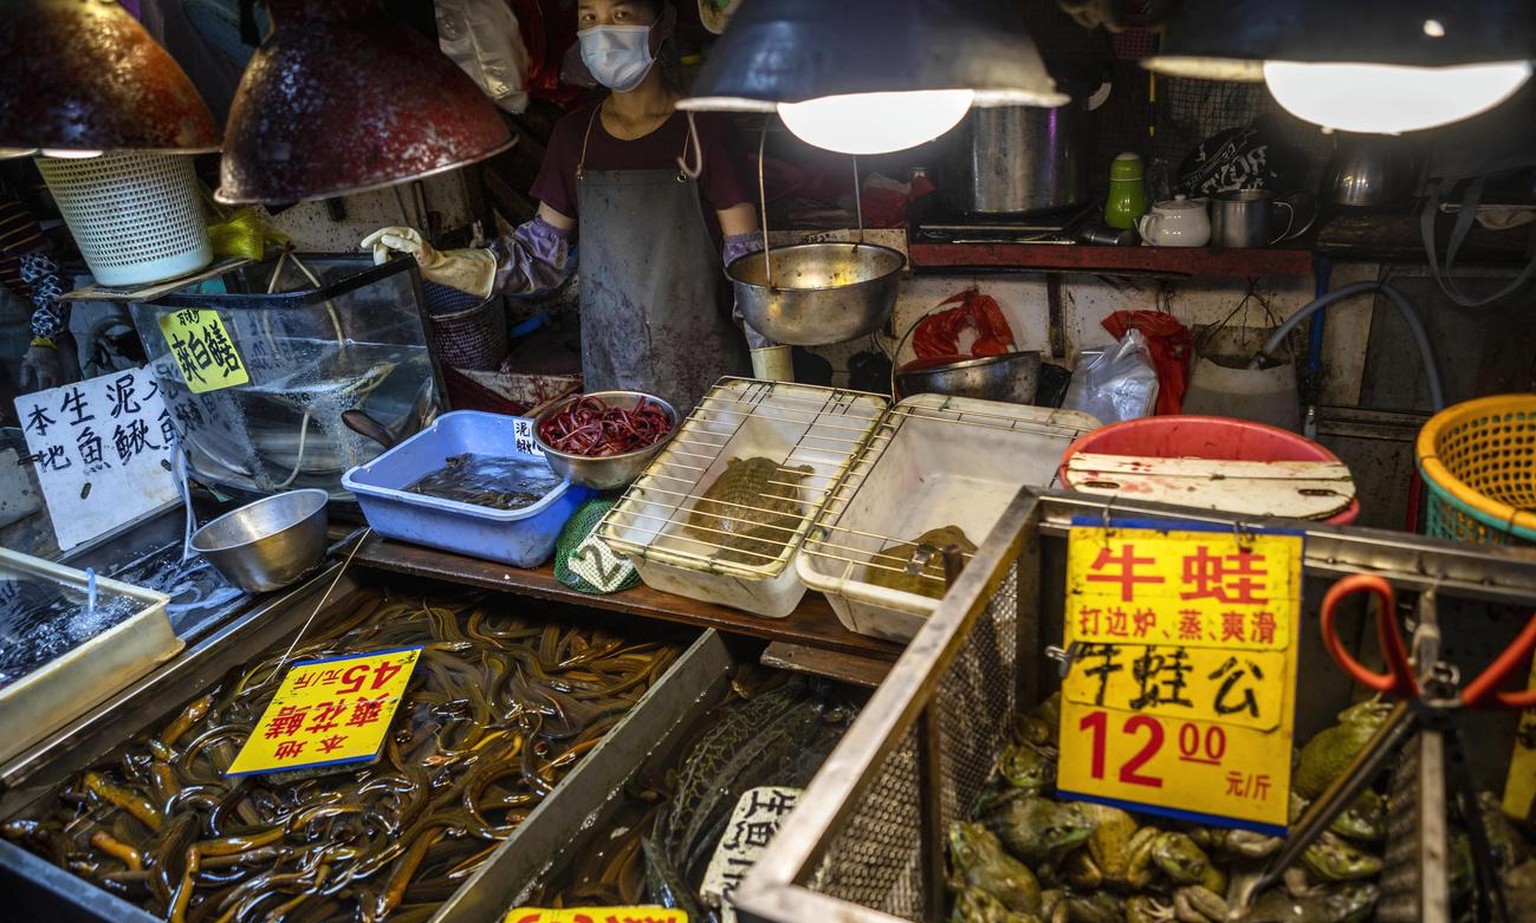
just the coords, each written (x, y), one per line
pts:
(875, 123)
(1388, 98)
(868, 78)
(1384, 66)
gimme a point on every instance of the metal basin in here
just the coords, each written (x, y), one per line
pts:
(1011, 377)
(821, 293)
(606, 472)
(268, 544)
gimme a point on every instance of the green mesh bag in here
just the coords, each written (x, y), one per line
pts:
(583, 562)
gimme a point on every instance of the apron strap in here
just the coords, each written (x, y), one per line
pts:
(581, 162)
(691, 141)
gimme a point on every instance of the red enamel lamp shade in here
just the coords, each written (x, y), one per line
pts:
(342, 99)
(83, 77)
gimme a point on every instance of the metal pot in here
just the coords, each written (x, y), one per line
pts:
(1025, 158)
(1011, 377)
(817, 294)
(1367, 171)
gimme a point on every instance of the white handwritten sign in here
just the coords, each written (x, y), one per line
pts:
(102, 452)
(753, 823)
(522, 434)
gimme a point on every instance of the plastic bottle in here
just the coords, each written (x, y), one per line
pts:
(1127, 192)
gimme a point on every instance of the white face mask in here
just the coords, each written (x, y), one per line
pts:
(618, 56)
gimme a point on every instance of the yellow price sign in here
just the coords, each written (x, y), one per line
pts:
(648, 913)
(1180, 693)
(203, 350)
(335, 710)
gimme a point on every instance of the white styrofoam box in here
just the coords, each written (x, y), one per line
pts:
(794, 426)
(934, 461)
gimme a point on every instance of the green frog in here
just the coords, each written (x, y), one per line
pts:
(1185, 863)
(1330, 751)
(1041, 725)
(1118, 852)
(1509, 845)
(973, 905)
(1365, 819)
(1053, 906)
(1039, 830)
(1144, 908)
(1347, 903)
(1026, 766)
(978, 860)
(1195, 904)
(1332, 858)
(1098, 907)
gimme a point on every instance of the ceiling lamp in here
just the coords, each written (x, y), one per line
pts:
(866, 77)
(1383, 66)
(342, 98)
(80, 78)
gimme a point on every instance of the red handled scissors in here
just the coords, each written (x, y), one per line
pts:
(1399, 679)
(1427, 705)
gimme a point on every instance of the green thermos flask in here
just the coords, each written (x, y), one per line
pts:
(1127, 192)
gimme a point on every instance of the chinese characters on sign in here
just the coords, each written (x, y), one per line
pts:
(638, 914)
(755, 820)
(522, 434)
(1180, 690)
(203, 350)
(102, 451)
(328, 711)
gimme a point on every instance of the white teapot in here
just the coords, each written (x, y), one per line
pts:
(1177, 222)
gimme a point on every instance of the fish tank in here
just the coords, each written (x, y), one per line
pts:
(258, 362)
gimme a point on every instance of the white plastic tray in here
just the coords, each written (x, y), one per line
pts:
(934, 461)
(50, 696)
(793, 425)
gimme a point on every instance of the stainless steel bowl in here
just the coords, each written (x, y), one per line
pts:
(268, 544)
(606, 472)
(1011, 377)
(821, 293)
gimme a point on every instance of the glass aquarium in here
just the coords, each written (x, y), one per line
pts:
(258, 363)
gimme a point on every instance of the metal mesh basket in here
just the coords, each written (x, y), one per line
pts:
(866, 842)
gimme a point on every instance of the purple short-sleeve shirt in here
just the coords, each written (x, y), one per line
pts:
(722, 184)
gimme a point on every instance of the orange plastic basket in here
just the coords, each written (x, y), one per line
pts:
(1478, 459)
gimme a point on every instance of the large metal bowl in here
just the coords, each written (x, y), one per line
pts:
(606, 472)
(821, 293)
(268, 544)
(1011, 377)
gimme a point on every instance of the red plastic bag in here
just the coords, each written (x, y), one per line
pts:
(938, 334)
(1171, 346)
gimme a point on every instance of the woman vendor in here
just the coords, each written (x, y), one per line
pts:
(655, 198)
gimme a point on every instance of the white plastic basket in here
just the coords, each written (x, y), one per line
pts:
(933, 461)
(135, 217)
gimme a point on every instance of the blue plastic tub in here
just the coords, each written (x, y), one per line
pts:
(523, 538)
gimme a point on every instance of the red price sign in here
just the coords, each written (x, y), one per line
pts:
(1181, 688)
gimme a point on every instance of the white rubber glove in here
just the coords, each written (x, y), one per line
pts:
(41, 369)
(773, 363)
(471, 270)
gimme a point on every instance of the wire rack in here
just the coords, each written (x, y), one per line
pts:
(674, 513)
(847, 535)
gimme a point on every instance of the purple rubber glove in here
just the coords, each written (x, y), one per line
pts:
(737, 246)
(532, 258)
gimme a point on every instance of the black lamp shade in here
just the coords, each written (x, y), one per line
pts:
(791, 51)
(1230, 39)
(342, 99)
(83, 76)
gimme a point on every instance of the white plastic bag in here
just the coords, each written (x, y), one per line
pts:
(1114, 384)
(482, 38)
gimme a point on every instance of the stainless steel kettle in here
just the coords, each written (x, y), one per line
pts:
(1367, 171)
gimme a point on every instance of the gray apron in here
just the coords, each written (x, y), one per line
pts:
(652, 318)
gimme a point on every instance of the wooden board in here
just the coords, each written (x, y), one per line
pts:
(1298, 489)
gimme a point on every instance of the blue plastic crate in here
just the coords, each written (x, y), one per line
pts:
(523, 538)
